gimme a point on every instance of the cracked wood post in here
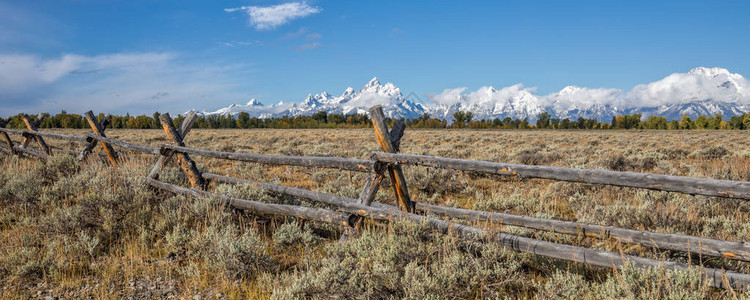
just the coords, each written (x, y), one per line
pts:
(373, 183)
(187, 164)
(91, 145)
(184, 129)
(39, 140)
(397, 176)
(99, 130)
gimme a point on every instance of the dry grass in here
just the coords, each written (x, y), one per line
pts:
(58, 239)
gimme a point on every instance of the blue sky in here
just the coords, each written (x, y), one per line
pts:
(140, 56)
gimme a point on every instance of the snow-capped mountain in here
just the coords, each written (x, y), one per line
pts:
(489, 103)
(693, 109)
(350, 102)
(701, 91)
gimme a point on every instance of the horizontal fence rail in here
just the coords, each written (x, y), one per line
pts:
(668, 183)
(718, 277)
(125, 145)
(310, 213)
(11, 131)
(349, 164)
(30, 152)
(668, 241)
(75, 138)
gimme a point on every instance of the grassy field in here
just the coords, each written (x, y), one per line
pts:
(71, 229)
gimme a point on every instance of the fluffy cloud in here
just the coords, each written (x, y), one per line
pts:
(695, 85)
(485, 95)
(582, 97)
(270, 17)
(448, 96)
(116, 83)
(698, 84)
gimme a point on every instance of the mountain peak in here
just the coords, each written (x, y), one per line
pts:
(373, 82)
(569, 90)
(254, 102)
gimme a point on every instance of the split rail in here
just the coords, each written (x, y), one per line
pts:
(350, 213)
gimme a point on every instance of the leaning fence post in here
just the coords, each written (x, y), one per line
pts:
(373, 182)
(187, 164)
(92, 144)
(395, 172)
(9, 142)
(99, 130)
(39, 140)
(187, 124)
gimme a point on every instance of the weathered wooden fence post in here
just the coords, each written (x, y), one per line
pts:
(39, 140)
(163, 159)
(99, 130)
(187, 164)
(373, 183)
(394, 170)
(92, 144)
(9, 142)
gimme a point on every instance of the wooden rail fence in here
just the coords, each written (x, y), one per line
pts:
(349, 212)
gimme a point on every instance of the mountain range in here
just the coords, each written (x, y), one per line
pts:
(701, 91)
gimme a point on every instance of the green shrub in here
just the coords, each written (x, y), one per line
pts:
(290, 234)
(223, 249)
(408, 262)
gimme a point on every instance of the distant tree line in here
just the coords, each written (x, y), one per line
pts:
(324, 119)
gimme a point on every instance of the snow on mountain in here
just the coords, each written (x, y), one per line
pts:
(351, 101)
(701, 91)
(693, 109)
(488, 103)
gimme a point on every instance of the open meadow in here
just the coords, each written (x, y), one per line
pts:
(70, 229)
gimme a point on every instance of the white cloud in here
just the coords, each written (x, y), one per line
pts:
(583, 98)
(698, 84)
(116, 83)
(447, 97)
(483, 96)
(241, 43)
(270, 17)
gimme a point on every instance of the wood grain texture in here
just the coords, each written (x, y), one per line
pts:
(394, 171)
(39, 140)
(186, 163)
(125, 145)
(92, 144)
(99, 130)
(164, 159)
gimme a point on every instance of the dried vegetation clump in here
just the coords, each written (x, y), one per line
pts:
(78, 230)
